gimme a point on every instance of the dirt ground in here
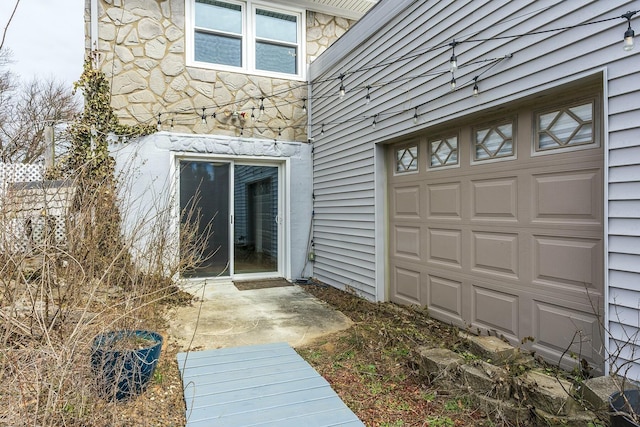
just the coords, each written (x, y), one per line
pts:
(369, 366)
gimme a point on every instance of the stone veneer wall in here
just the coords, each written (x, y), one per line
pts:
(141, 46)
(322, 31)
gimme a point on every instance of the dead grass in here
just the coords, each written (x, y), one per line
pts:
(57, 294)
(370, 365)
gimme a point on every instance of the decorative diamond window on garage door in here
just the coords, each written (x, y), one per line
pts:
(407, 159)
(510, 240)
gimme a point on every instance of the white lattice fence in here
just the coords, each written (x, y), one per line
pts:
(33, 210)
(19, 172)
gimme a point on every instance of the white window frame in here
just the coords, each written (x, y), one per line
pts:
(284, 209)
(249, 38)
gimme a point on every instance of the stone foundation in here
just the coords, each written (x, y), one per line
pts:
(509, 390)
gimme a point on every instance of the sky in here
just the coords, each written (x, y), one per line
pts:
(46, 38)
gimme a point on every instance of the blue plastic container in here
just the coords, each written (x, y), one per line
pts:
(622, 405)
(123, 372)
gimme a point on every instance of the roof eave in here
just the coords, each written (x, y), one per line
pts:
(313, 6)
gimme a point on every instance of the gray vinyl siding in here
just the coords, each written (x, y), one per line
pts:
(624, 217)
(624, 238)
(344, 181)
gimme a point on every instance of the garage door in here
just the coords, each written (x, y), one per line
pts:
(496, 225)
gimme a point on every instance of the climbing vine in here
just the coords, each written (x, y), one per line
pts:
(90, 133)
(91, 167)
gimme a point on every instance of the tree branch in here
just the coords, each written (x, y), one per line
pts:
(6, 28)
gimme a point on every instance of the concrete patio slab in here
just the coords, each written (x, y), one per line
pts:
(227, 317)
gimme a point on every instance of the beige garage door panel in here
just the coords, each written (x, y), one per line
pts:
(444, 247)
(444, 298)
(444, 201)
(495, 199)
(407, 285)
(496, 311)
(406, 202)
(567, 197)
(406, 242)
(562, 329)
(496, 253)
(568, 262)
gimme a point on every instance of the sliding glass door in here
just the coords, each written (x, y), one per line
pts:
(230, 218)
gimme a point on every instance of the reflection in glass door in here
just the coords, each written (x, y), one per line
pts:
(214, 195)
(204, 208)
(256, 219)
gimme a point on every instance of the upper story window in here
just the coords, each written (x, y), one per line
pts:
(219, 29)
(247, 37)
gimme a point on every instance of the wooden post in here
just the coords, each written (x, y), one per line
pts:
(49, 151)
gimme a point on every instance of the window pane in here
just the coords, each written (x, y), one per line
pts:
(270, 57)
(545, 119)
(566, 127)
(219, 16)
(255, 231)
(443, 152)
(407, 159)
(218, 49)
(204, 209)
(494, 142)
(276, 26)
(481, 153)
(563, 128)
(546, 141)
(507, 149)
(583, 136)
(506, 130)
(584, 112)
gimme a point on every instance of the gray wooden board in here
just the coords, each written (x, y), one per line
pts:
(258, 385)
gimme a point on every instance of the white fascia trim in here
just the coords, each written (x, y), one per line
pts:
(326, 9)
(174, 215)
(381, 224)
(286, 235)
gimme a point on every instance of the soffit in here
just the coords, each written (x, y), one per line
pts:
(351, 9)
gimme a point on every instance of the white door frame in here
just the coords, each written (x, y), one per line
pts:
(284, 259)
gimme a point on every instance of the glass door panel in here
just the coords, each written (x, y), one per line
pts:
(256, 219)
(204, 209)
